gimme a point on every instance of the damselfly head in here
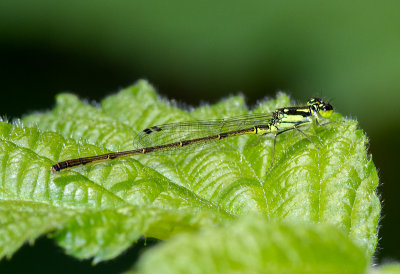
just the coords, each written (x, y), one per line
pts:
(319, 106)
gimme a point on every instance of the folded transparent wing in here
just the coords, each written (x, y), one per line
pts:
(185, 131)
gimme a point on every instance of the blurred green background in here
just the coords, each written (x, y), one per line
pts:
(348, 52)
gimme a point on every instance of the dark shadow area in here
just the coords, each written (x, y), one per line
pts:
(388, 191)
(31, 77)
(46, 257)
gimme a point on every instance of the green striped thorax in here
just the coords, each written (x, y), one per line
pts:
(286, 118)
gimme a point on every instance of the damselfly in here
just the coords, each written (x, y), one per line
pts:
(175, 136)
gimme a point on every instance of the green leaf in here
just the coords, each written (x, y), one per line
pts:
(100, 210)
(257, 245)
(390, 268)
(81, 211)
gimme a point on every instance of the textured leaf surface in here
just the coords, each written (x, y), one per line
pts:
(255, 245)
(99, 210)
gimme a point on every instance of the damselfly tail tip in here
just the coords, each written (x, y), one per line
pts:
(54, 168)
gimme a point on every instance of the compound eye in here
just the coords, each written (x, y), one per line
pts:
(326, 111)
(327, 107)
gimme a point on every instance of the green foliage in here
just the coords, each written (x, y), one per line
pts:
(257, 245)
(100, 210)
(391, 268)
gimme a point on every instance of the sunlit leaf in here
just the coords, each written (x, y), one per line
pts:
(100, 210)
